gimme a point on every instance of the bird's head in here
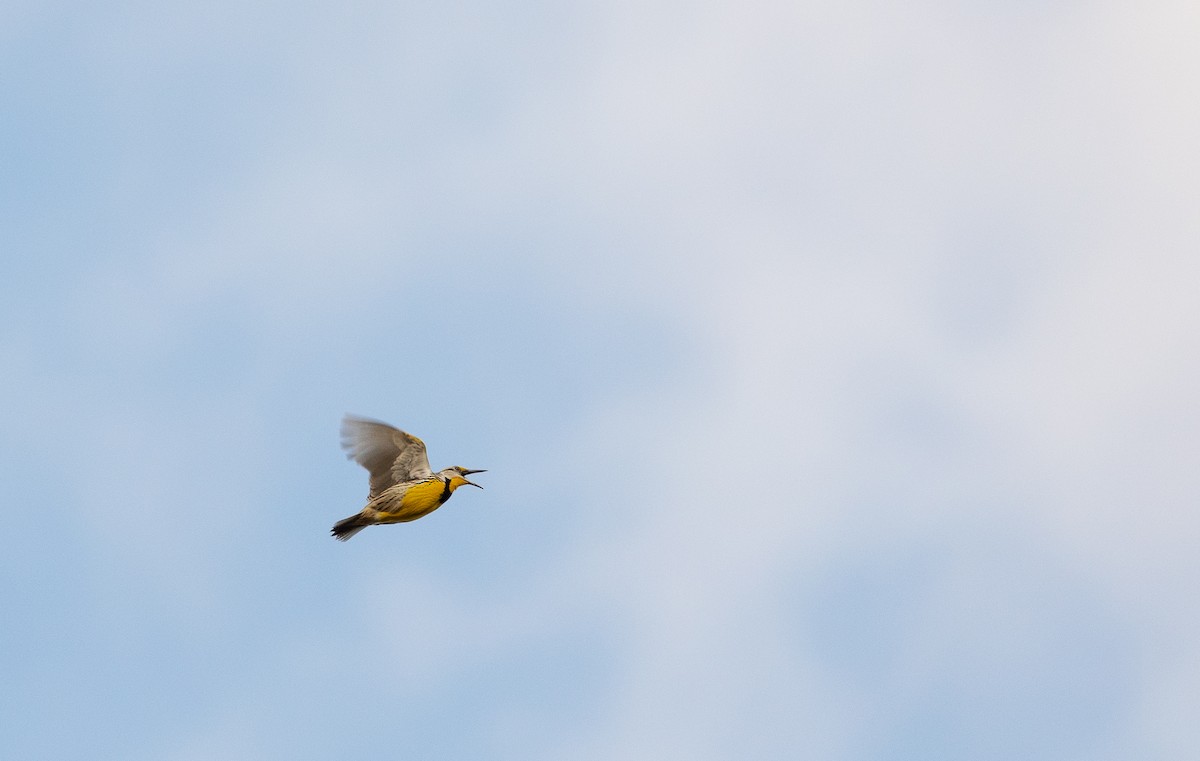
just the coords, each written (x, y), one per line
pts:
(458, 476)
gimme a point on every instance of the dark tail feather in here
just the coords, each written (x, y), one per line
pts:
(344, 529)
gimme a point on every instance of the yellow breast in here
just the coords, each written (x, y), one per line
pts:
(418, 500)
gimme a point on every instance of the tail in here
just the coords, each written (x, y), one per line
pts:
(344, 529)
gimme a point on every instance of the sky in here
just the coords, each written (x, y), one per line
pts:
(834, 365)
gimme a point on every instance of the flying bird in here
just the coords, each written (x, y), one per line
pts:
(403, 488)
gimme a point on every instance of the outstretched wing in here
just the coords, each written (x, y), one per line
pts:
(389, 454)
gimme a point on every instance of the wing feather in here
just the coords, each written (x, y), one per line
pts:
(389, 454)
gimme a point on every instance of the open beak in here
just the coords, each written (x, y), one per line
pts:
(469, 472)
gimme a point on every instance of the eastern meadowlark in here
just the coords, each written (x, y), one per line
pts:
(403, 488)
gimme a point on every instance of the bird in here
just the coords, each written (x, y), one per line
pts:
(403, 488)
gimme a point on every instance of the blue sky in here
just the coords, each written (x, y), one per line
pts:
(833, 364)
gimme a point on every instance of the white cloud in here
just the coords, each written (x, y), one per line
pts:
(1083, 396)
